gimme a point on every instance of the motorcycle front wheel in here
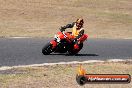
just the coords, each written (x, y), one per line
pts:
(47, 49)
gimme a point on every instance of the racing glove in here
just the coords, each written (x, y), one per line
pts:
(62, 29)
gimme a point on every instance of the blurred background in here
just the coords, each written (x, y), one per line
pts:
(43, 18)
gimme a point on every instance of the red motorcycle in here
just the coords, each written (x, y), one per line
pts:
(63, 43)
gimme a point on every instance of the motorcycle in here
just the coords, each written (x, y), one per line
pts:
(63, 43)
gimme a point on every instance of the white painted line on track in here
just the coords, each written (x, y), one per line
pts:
(64, 63)
(118, 60)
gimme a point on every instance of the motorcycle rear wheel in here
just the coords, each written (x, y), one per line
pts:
(47, 49)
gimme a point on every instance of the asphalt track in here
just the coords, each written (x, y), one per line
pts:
(27, 51)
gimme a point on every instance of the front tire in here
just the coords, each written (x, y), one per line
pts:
(47, 49)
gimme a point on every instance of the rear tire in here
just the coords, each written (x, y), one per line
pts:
(47, 49)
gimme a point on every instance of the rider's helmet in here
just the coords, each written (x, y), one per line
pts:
(79, 23)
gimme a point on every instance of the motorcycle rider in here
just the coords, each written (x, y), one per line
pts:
(77, 31)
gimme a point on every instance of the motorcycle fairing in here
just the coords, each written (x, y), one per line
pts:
(83, 38)
(54, 43)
